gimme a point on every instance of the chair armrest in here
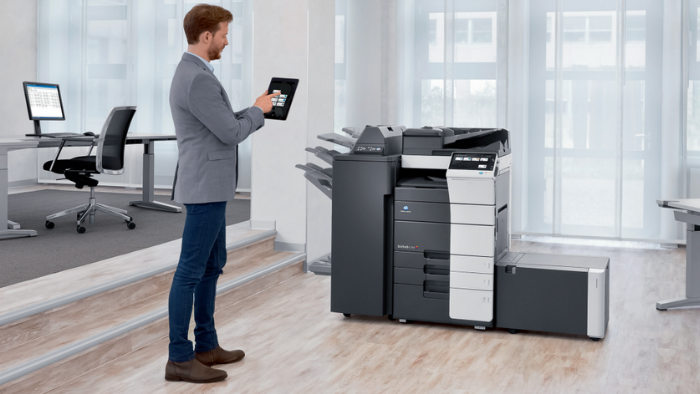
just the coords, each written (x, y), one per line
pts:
(82, 138)
(87, 138)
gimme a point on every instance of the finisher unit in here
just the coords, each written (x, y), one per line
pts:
(420, 232)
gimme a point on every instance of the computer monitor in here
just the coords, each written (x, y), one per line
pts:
(43, 103)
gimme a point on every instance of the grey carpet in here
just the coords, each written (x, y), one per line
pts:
(62, 248)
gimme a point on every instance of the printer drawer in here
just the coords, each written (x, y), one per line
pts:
(483, 265)
(412, 303)
(472, 240)
(469, 280)
(412, 276)
(429, 260)
(471, 304)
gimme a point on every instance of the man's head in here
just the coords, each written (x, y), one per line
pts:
(206, 27)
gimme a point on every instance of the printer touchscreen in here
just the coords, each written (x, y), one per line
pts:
(473, 161)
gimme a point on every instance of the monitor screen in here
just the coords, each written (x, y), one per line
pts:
(43, 101)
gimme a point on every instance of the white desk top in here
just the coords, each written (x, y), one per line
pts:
(129, 136)
(687, 204)
(17, 143)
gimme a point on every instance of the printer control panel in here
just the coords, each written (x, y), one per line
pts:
(369, 149)
(473, 161)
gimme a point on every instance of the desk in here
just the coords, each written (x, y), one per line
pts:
(7, 144)
(148, 141)
(12, 230)
(687, 211)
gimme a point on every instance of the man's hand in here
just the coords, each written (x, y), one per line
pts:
(265, 101)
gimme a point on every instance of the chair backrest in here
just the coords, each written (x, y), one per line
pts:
(112, 140)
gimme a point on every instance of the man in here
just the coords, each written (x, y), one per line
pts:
(208, 134)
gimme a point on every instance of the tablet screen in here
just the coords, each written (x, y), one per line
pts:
(282, 103)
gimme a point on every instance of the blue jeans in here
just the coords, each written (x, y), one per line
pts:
(202, 258)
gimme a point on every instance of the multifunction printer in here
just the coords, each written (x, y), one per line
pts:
(420, 233)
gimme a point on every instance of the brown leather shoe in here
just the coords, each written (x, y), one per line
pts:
(220, 356)
(193, 371)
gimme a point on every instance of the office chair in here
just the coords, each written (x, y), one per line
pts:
(109, 159)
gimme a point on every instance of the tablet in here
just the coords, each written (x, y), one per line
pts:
(282, 103)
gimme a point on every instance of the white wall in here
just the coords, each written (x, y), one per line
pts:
(18, 47)
(292, 39)
(364, 63)
(321, 103)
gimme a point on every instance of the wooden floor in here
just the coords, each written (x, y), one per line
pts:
(295, 345)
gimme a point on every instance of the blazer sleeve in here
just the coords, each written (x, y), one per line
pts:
(208, 105)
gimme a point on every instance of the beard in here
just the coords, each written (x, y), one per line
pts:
(214, 52)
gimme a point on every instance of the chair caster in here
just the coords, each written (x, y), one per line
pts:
(81, 229)
(512, 331)
(346, 314)
(49, 224)
(130, 225)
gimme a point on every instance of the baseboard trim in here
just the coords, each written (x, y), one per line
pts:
(77, 347)
(290, 247)
(44, 306)
(23, 182)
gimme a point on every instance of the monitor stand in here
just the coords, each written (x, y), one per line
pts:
(37, 130)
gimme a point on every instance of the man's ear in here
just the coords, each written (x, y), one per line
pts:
(205, 37)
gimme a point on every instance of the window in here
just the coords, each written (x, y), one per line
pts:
(456, 68)
(593, 143)
(129, 50)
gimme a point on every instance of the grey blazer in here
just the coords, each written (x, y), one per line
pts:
(208, 133)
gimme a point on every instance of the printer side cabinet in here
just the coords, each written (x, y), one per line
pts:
(547, 300)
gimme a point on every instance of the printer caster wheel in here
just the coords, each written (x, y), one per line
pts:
(595, 339)
(346, 314)
(512, 331)
(49, 224)
(391, 317)
(81, 229)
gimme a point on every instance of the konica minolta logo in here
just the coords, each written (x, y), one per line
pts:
(406, 247)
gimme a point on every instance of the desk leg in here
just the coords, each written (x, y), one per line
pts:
(148, 181)
(692, 273)
(11, 232)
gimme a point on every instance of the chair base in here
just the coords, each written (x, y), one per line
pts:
(87, 211)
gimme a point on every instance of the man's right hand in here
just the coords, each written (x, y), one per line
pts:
(265, 101)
